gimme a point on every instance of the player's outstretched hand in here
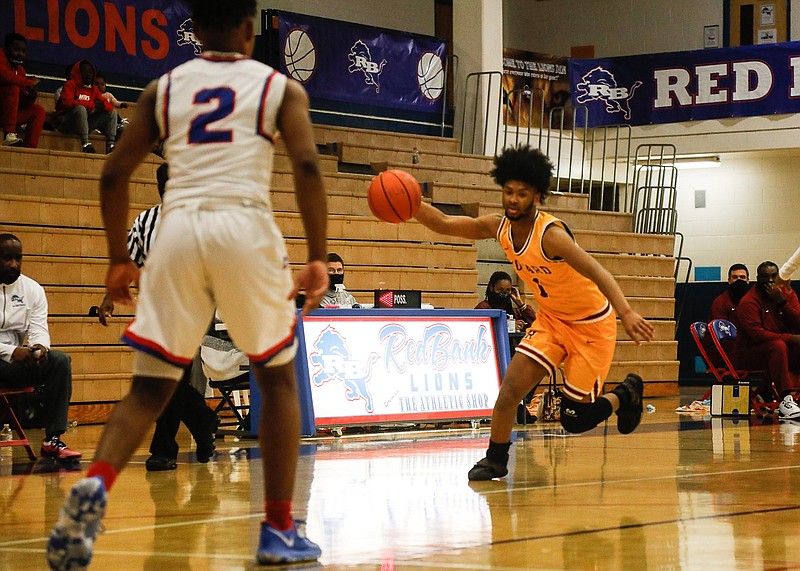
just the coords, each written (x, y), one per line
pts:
(637, 327)
(105, 311)
(314, 280)
(119, 278)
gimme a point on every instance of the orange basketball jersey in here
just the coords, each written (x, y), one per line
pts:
(559, 289)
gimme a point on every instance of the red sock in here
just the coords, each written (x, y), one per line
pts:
(104, 470)
(279, 514)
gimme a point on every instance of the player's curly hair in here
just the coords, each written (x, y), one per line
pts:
(216, 15)
(525, 164)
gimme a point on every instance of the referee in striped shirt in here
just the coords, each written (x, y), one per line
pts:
(188, 404)
(143, 231)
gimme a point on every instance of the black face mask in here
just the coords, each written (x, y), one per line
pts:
(334, 280)
(738, 289)
(498, 300)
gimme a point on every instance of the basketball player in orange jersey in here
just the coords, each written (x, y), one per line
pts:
(575, 326)
(218, 246)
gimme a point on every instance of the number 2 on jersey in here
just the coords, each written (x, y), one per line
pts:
(201, 128)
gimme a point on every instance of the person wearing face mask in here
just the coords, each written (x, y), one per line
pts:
(337, 295)
(768, 336)
(23, 319)
(724, 306)
(500, 294)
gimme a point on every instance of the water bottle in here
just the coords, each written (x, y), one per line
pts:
(415, 156)
(5, 435)
(512, 323)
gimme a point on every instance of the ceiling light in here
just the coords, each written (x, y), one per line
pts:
(679, 161)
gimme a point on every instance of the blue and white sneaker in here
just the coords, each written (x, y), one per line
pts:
(290, 546)
(72, 539)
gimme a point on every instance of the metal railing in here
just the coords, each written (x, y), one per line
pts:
(454, 59)
(591, 161)
(655, 192)
(514, 105)
(483, 87)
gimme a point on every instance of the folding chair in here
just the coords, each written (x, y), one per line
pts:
(723, 338)
(234, 402)
(703, 341)
(7, 416)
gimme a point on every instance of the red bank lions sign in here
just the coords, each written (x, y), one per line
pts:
(689, 86)
(140, 38)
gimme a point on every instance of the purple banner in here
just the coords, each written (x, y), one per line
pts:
(360, 64)
(689, 86)
(144, 38)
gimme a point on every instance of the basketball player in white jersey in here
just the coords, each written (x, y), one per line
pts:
(218, 246)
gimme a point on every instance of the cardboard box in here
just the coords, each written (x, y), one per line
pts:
(730, 399)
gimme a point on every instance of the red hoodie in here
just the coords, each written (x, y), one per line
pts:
(10, 75)
(76, 93)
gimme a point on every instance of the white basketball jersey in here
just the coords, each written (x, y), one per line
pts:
(217, 116)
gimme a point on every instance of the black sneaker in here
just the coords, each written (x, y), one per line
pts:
(89, 148)
(160, 463)
(486, 470)
(205, 444)
(629, 416)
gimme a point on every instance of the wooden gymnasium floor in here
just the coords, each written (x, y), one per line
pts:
(680, 493)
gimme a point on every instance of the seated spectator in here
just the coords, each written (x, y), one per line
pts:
(21, 365)
(337, 295)
(100, 82)
(769, 335)
(724, 305)
(500, 294)
(81, 108)
(18, 94)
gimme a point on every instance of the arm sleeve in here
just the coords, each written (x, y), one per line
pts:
(528, 315)
(719, 309)
(38, 333)
(67, 98)
(791, 311)
(9, 77)
(99, 97)
(749, 317)
(6, 350)
(108, 96)
(790, 266)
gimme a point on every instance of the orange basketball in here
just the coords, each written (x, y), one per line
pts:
(394, 196)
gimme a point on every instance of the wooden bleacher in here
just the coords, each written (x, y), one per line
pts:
(49, 198)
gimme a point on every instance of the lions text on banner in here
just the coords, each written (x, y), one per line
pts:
(143, 38)
(390, 369)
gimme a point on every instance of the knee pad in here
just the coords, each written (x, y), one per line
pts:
(577, 417)
(145, 365)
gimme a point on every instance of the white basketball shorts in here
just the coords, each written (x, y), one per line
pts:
(223, 254)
